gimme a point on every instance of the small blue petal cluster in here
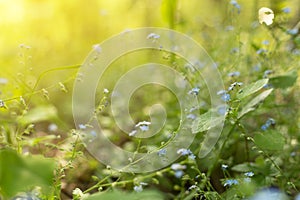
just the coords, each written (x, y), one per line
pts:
(268, 123)
(231, 182)
(286, 10)
(194, 91)
(139, 188)
(236, 5)
(249, 174)
(267, 73)
(293, 31)
(82, 126)
(265, 42)
(162, 152)
(178, 168)
(224, 95)
(186, 152)
(234, 74)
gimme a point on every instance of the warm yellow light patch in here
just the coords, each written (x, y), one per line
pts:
(11, 12)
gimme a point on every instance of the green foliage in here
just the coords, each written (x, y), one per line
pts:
(284, 81)
(22, 173)
(252, 88)
(205, 122)
(115, 194)
(252, 105)
(269, 141)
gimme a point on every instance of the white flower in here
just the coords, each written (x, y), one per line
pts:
(79, 194)
(265, 15)
(105, 91)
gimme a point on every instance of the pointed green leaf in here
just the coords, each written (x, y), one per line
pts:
(284, 81)
(254, 103)
(252, 88)
(269, 141)
(205, 122)
(244, 167)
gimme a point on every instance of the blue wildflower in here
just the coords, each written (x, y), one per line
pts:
(192, 157)
(153, 36)
(234, 74)
(52, 127)
(266, 42)
(82, 126)
(260, 51)
(286, 10)
(270, 121)
(222, 110)
(225, 97)
(269, 194)
(138, 188)
(249, 174)
(231, 182)
(293, 31)
(229, 28)
(184, 152)
(267, 73)
(194, 91)
(179, 173)
(236, 5)
(162, 152)
(234, 50)
(93, 133)
(177, 166)
(144, 125)
(144, 128)
(264, 127)
(267, 86)
(293, 154)
(191, 116)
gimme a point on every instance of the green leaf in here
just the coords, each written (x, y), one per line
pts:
(252, 88)
(41, 113)
(205, 122)
(284, 81)
(244, 167)
(19, 173)
(254, 103)
(269, 141)
(145, 195)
